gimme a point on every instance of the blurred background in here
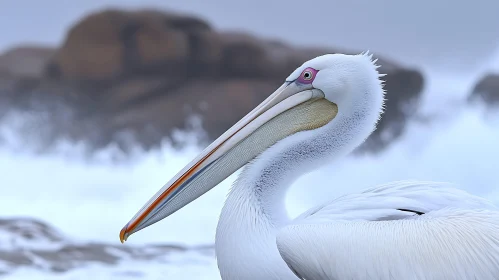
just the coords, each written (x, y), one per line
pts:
(102, 102)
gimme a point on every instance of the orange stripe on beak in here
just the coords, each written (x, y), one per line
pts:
(129, 227)
(276, 103)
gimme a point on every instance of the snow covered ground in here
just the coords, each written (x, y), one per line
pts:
(128, 270)
(185, 266)
(31, 249)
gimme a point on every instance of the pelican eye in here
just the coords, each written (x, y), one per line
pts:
(307, 76)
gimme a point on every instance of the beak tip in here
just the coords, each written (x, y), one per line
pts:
(124, 234)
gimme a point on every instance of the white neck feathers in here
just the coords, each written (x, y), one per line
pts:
(255, 208)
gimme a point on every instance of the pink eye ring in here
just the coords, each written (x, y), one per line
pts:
(307, 76)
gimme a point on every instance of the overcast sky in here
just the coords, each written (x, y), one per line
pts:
(454, 33)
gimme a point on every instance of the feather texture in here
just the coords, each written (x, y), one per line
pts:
(402, 230)
(366, 236)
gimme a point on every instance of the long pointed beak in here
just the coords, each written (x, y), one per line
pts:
(210, 167)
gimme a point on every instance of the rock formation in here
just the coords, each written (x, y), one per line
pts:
(145, 73)
(487, 91)
(30, 243)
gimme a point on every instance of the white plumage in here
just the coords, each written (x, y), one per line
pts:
(403, 230)
(365, 236)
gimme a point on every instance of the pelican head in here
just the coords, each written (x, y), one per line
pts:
(316, 95)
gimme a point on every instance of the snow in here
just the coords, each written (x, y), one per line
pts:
(188, 266)
(29, 237)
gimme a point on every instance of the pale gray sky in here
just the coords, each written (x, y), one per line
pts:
(455, 34)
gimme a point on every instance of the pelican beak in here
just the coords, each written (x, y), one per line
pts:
(274, 119)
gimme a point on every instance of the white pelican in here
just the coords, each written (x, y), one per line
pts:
(326, 108)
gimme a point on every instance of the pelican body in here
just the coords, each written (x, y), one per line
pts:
(324, 110)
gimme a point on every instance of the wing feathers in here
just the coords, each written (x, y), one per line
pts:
(382, 233)
(447, 245)
(380, 202)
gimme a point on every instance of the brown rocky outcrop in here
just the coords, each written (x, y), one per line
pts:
(147, 72)
(25, 61)
(113, 44)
